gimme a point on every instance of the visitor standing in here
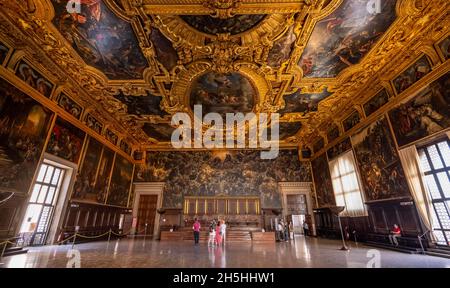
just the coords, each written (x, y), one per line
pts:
(196, 229)
(223, 229)
(305, 228)
(212, 236)
(218, 234)
(280, 229)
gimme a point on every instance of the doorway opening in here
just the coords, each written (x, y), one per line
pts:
(146, 214)
(36, 223)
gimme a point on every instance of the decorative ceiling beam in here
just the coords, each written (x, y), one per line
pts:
(221, 9)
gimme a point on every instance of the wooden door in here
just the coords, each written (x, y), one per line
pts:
(146, 213)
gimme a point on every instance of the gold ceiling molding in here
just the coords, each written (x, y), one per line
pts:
(385, 59)
(220, 8)
(418, 26)
(37, 35)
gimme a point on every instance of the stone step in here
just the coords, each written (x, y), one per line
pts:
(15, 251)
(402, 249)
(438, 253)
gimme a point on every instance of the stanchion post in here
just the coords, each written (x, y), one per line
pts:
(77, 228)
(145, 231)
(109, 234)
(3, 251)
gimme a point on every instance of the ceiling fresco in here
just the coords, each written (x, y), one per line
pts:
(233, 25)
(142, 105)
(343, 38)
(303, 103)
(160, 132)
(133, 64)
(102, 39)
(223, 93)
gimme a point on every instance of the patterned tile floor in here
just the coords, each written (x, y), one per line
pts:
(309, 252)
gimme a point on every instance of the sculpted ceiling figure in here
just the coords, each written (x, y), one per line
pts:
(136, 63)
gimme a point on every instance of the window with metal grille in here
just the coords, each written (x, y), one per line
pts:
(435, 162)
(41, 205)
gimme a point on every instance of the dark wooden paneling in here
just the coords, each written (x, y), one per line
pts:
(92, 219)
(384, 215)
(9, 216)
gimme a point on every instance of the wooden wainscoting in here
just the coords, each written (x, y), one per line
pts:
(92, 219)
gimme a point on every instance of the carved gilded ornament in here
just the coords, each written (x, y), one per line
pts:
(419, 24)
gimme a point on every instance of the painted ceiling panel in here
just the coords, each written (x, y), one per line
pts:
(234, 25)
(343, 38)
(102, 39)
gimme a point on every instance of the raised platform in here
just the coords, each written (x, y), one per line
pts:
(233, 235)
(263, 237)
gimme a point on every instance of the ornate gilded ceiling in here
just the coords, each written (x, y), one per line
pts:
(134, 63)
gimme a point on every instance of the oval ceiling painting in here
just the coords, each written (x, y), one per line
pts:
(223, 93)
(233, 25)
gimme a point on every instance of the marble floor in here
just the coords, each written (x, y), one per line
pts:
(309, 252)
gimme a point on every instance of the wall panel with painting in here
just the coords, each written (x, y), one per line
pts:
(24, 126)
(104, 177)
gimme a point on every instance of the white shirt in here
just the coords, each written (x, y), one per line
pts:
(223, 228)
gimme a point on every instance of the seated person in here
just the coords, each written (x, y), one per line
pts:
(395, 233)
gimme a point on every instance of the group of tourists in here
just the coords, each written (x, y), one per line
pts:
(284, 230)
(217, 232)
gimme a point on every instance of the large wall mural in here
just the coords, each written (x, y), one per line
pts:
(303, 103)
(381, 172)
(102, 39)
(24, 126)
(344, 37)
(104, 170)
(233, 25)
(227, 173)
(223, 93)
(84, 188)
(427, 113)
(119, 188)
(322, 182)
(66, 141)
